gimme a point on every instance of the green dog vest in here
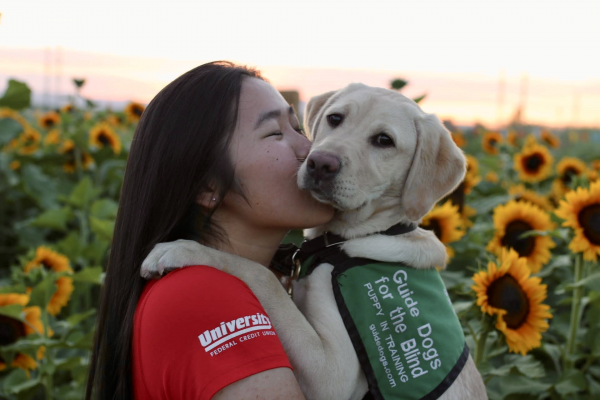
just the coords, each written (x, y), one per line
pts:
(401, 322)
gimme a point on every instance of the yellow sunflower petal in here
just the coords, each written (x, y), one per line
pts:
(508, 291)
(515, 218)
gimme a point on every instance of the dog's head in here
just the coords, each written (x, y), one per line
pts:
(373, 146)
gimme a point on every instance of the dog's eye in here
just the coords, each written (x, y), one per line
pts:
(335, 119)
(382, 140)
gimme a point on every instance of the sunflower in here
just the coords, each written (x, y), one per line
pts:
(581, 211)
(445, 221)
(596, 165)
(15, 165)
(44, 257)
(515, 218)
(530, 140)
(508, 291)
(466, 214)
(521, 193)
(472, 178)
(12, 114)
(114, 120)
(534, 163)
(550, 139)
(490, 142)
(29, 141)
(50, 120)
(511, 138)
(102, 134)
(68, 148)
(567, 168)
(68, 108)
(134, 111)
(52, 137)
(459, 139)
(12, 329)
(492, 177)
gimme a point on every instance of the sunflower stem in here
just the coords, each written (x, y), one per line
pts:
(480, 348)
(575, 305)
(48, 354)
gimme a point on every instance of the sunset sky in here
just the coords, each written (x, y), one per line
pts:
(454, 51)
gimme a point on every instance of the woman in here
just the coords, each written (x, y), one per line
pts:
(214, 158)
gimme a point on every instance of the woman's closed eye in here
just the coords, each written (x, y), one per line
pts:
(299, 130)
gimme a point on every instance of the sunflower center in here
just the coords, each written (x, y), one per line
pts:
(457, 196)
(46, 264)
(103, 138)
(589, 219)
(533, 162)
(137, 111)
(434, 225)
(511, 238)
(493, 142)
(506, 293)
(49, 122)
(10, 330)
(569, 174)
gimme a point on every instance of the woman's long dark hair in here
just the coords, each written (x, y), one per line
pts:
(179, 149)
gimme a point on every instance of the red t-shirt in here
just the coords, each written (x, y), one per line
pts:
(197, 330)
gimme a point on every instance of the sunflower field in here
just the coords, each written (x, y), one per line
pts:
(522, 233)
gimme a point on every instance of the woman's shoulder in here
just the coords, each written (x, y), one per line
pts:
(193, 284)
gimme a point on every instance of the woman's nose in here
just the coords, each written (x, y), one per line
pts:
(303, 148)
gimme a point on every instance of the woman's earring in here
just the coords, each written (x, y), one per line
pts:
(214, 199)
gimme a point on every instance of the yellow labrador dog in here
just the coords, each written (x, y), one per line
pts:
(379, 160)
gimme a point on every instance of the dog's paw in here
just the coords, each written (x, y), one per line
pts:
(166, 257)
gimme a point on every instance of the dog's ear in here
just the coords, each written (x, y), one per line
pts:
(312, 111)
(437, 168)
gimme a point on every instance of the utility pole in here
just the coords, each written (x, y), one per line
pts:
(46, 76)
(57, 75)
(576, 108)
(500, 98)
(523, 96)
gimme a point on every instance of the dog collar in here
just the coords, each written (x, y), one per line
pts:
(295, 262)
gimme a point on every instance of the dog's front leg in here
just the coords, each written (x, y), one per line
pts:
(315, 299)
(317, 356)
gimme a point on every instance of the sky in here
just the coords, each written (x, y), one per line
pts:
(455, 52)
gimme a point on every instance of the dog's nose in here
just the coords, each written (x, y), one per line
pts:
(322, 166)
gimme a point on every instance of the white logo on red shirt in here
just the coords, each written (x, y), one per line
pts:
(234, 328)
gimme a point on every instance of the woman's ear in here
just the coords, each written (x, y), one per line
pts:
(207, 199)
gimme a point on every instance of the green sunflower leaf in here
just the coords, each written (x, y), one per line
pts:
(39, 185)
(43, 291)
(591, 282)
(102, 227)
(511, 384)
(75, 319)
(53, 219)
(104, 208)
(9, 130)
(12, 311)
(89, 275)
(17, 381)
(17, 95)
(571, 382)
(486, 204)
(83, 193)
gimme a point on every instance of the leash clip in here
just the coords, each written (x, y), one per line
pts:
(295, 273)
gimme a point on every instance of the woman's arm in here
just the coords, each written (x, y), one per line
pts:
(319, 349)
(273, 384)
